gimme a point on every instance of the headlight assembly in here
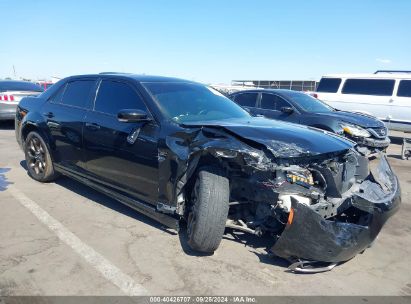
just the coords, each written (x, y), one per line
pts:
(354, 130)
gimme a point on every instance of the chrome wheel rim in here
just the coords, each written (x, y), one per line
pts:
(36, 156)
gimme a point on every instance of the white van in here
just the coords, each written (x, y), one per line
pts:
(384, 94)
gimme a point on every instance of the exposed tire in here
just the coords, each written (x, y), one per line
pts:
(209, 210)
(38, 159)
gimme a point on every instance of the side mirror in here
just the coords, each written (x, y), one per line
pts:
(288, 110)
(130, 115)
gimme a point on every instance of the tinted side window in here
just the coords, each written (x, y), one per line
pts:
(329, 85)
(377, 87)
(273, 102)
(58, 95)
(404, 89)
(246, 99)
(114, 96)
(78, 93)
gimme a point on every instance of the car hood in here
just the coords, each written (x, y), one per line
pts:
(283, 139)
(362, 120)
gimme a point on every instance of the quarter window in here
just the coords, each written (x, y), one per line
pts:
(404, 89)
(329, 85)
(58, 95)
(377, 87)
(114, 96)
(78, 93)
(273, 102)
(246, 99)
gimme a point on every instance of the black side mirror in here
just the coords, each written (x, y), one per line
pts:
(288, 110)
(130, 115)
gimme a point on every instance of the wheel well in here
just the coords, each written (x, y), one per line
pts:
(27, 129)
(204, 161)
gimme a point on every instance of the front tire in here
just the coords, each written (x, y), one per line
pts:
(39, 164)
(209, 210)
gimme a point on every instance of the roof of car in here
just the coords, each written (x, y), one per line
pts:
(371, 75)
(140, 78)
(278, 91)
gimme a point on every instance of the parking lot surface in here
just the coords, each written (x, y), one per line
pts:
(64, 238)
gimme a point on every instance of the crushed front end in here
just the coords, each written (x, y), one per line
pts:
(319, 206)
(319, 210)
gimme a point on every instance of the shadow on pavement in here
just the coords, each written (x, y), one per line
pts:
(7, 125)
(247, 240)
(91, 194)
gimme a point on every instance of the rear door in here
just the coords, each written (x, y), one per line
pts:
(111, 157)
(64, 114)
(248, 101)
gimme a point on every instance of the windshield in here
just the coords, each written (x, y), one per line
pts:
(308, 103)
(6, 86)
(190, 102)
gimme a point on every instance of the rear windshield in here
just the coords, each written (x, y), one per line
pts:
(6, 86)
(376, 87)
(329, 85)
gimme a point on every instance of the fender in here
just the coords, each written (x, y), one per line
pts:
(34, 121)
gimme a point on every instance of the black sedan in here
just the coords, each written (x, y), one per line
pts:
(181, 152)
(367, 131)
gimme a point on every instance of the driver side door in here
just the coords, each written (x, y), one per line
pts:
(121, 155)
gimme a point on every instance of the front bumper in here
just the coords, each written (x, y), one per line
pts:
(311, 237)
(374, 142)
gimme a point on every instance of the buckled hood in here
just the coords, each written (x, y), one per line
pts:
(283, 139)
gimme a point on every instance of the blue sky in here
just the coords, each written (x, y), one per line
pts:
(208, 41)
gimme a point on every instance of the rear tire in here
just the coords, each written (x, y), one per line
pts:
(39, 164)
(209, 210)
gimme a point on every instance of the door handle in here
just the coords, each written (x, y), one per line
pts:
(92, 126)
(391, 100)
(49, 114)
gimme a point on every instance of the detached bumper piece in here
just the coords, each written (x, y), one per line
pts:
(311, 238)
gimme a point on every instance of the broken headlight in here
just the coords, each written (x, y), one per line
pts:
(301, 177)
(354, 130)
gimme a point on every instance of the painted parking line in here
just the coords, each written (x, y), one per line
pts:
(113, 274)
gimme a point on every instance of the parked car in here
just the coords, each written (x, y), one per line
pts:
(11, 92)
(368, 132)
(385, 94)
(179, 151)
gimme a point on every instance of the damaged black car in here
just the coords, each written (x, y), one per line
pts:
(177, 151)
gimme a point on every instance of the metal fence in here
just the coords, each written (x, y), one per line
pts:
(296, 85)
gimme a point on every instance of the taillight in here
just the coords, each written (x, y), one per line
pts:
(7, 97)
(315, 95)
